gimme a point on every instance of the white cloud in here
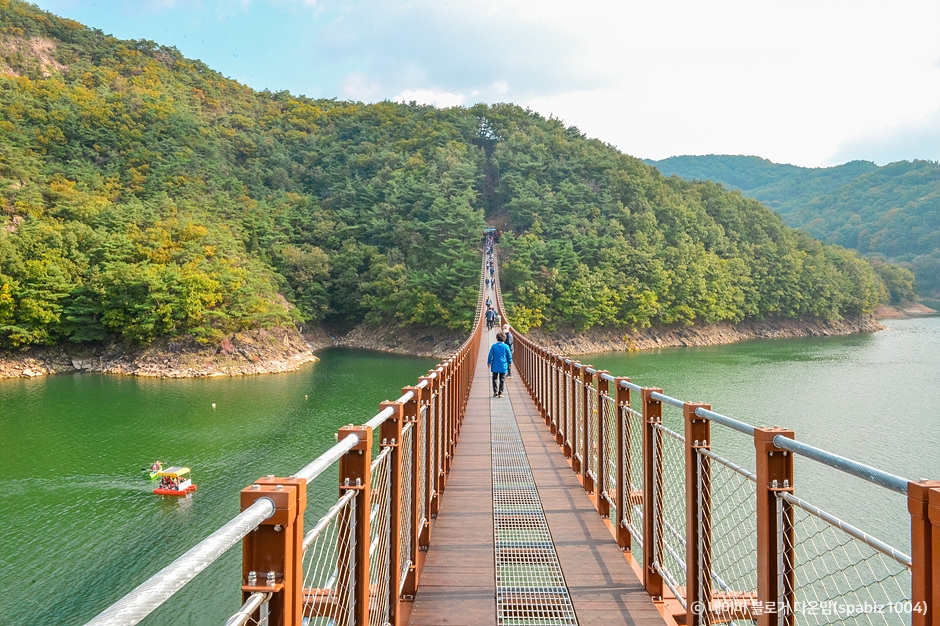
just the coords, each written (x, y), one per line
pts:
(919, 139)
(790, 81)
(360, 87)
(456, 47)
(435, 97)
(799, 81)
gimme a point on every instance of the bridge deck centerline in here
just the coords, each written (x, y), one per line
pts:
(458, 584)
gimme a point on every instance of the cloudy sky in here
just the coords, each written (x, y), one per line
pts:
(808, 82)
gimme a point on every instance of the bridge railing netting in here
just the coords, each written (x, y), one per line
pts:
(720, 539)
(719, 536)
(365, 555)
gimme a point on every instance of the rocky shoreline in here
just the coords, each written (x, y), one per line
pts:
(411, 340)
(286, 350)
(241, 354)
(570, 342)
(903, 310)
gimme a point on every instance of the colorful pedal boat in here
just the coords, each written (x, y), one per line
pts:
(174, 481)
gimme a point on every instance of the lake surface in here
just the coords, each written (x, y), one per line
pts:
(80, 526)
(78, 520)
(869, 397)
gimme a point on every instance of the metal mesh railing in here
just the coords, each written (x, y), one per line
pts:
(433, 436)
(820, 568)
(577, 419)
(633, 481)
(379, 519)
(731, 535)
(569, 409)
(612, 482)
(407, 501)
(669, 493)
(329, 563)
(551, 389)
(422, 443)
(593, 428)
(842, 574)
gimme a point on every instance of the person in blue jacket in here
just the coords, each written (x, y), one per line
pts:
(490, 316)
(499, 360)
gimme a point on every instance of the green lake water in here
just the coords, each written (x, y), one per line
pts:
(869, 397)
(80, 526)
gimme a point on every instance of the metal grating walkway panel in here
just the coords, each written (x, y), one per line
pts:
(530, 586)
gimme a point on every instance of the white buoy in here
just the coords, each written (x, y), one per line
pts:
(306, 396)
(213, 405)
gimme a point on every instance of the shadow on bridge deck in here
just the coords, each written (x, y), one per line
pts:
(458, 583)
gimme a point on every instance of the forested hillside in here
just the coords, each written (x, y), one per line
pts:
(891, 211)
(144, 195)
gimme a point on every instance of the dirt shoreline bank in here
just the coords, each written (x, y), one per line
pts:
(412, 340)
(240, 354)
(903, 310)
(569, 342)
(286, 350)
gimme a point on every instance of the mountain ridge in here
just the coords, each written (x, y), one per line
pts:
(891, 210)
(144, 196)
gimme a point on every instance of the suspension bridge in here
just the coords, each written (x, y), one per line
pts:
(566, 501)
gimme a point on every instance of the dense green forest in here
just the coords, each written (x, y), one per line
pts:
(891, 211)
(144, 195)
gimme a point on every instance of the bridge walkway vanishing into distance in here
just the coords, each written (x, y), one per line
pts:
(459, 586)
(560, 490)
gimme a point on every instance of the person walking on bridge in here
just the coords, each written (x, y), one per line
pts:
(490, 317)
(508, 340)
(499, 360)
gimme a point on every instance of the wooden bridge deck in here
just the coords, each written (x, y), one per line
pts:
(458, 583)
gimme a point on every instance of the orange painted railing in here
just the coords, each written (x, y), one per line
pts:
(714, 541)
(358, 564)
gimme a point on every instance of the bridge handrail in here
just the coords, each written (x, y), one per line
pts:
(325, 460)
(868, 473)
(853, 468)
(251, 605)
(153, 592)
(450, 376)
(724, 420)
(841, 463)
(776, 545)
(667, 399)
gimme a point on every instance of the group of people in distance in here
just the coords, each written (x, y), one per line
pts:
(490, 315)
(500, 356)
(500, 360)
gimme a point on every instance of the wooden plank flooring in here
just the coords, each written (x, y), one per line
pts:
(458, 584)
